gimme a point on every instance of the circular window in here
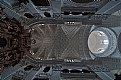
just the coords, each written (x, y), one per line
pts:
(98, 42)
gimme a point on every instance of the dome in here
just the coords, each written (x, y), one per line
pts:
(98, 42)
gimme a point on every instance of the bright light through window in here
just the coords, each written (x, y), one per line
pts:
(105, 41)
